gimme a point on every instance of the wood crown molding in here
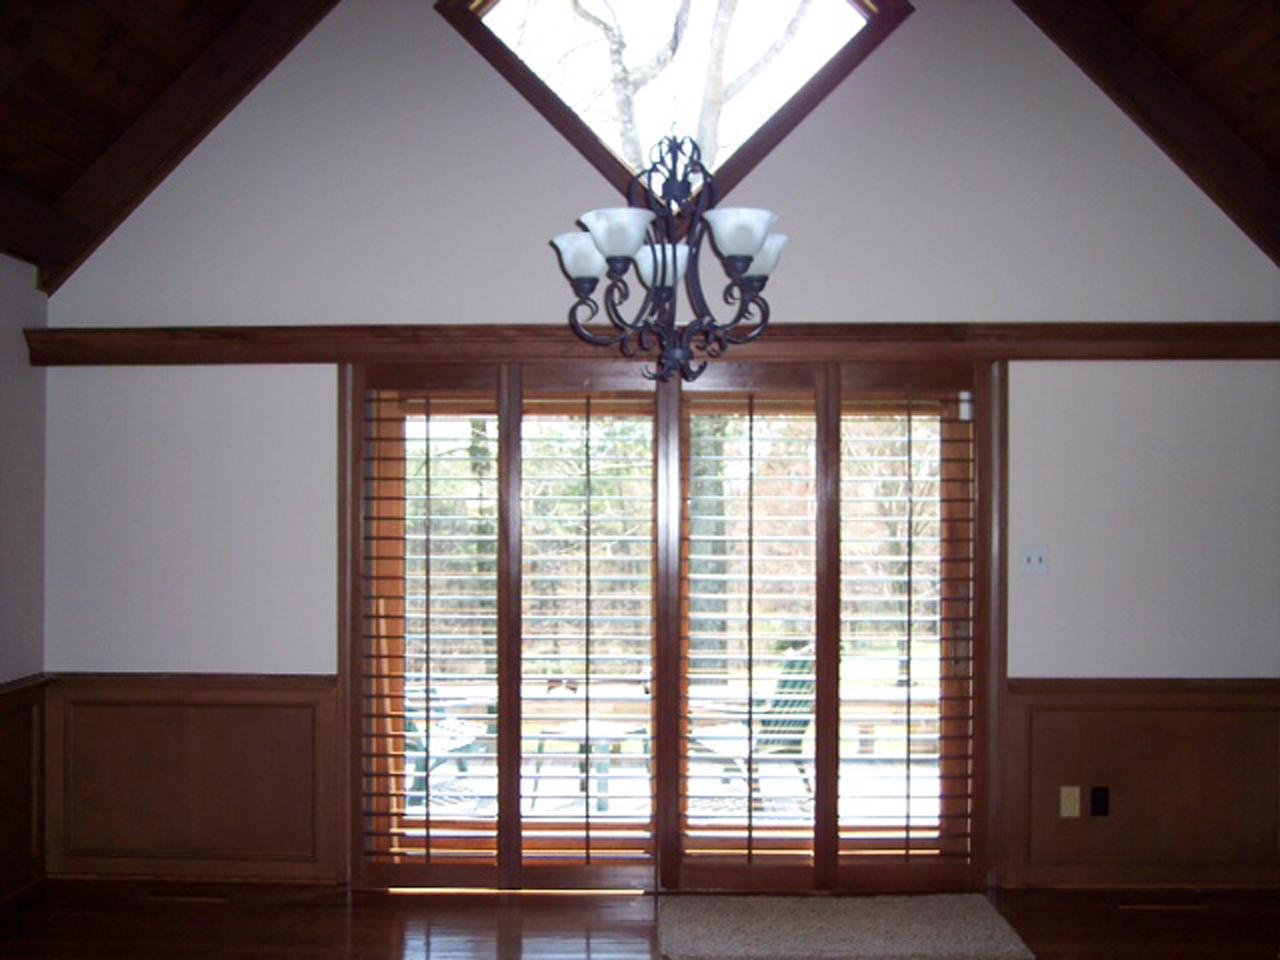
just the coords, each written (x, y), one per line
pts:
(887, 342)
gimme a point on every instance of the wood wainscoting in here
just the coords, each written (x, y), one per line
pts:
(194, 777)
(1192, 772)
(21, 783)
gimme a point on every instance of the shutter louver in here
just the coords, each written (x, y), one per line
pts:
(906, 664)
(429, 645)
(587, 503)
(749, 641)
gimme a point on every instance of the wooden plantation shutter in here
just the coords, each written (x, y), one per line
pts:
(587, 472)
(748, 641)
(797, 594)
(907, 509)
(429, 638)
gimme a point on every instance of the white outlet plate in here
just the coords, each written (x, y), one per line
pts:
(1033, 560)
(1068, 801)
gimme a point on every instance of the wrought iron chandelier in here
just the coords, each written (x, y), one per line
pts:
(673, 198)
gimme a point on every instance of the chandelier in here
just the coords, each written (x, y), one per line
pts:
(661, 232)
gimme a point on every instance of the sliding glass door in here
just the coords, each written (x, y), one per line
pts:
(721, 634)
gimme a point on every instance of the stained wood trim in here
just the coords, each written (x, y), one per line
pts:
(826, 835)
(666, 667)
(466, 19)
(351, 391)
(34, 681)
(886, 342)
(510, 604)
(1169, 111)
(172, 126)
(992, 576)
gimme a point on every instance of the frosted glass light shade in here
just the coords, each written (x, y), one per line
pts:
(579, 256)
(740, 231)
(764, 262)
(649, 264)
(617, 231)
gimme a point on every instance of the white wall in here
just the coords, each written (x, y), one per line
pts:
(385, 173)
(22, 412)
(1156, 487)
(192, 520)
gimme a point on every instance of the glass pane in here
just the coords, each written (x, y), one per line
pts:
(586, 675)
(636, 72)
(749, 652)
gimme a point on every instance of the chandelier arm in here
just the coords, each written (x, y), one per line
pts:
(755, 331)
(749, 302)
(577, 323)
(615, 296)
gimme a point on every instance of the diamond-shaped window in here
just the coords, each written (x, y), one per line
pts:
(616, 76)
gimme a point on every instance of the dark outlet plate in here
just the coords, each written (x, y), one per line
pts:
(1099, 801)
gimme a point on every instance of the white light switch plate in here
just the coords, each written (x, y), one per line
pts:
(1033, 561)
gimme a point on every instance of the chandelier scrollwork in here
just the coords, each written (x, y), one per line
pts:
(674, 198)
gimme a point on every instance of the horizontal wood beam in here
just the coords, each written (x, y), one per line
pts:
(916, 343)
(1169, 111)
(172, 126)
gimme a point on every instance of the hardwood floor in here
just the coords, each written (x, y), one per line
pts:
(113, 921)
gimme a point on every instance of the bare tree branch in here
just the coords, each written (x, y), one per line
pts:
(623, 92)
(626, 81)
(642, 75)
(735, 87)
(713, 86)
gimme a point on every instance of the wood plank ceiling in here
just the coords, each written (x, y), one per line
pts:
(101, 99)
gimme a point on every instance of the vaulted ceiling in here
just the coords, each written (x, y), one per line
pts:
(101, 99)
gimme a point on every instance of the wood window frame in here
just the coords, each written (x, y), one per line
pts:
(826, 381)
(883, 17)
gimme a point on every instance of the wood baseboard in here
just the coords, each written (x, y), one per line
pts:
(1191, 769)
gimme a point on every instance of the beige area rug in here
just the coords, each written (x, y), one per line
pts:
(951, 927)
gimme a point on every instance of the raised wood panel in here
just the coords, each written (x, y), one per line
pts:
(196, 777)
(21, 712)
(1193, 772)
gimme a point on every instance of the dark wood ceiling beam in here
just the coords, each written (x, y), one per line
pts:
(171, 127)
(1178, 119)
(30, 230)
(886, 342)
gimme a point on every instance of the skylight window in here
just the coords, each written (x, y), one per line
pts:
(616, 76)
(637, 72)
